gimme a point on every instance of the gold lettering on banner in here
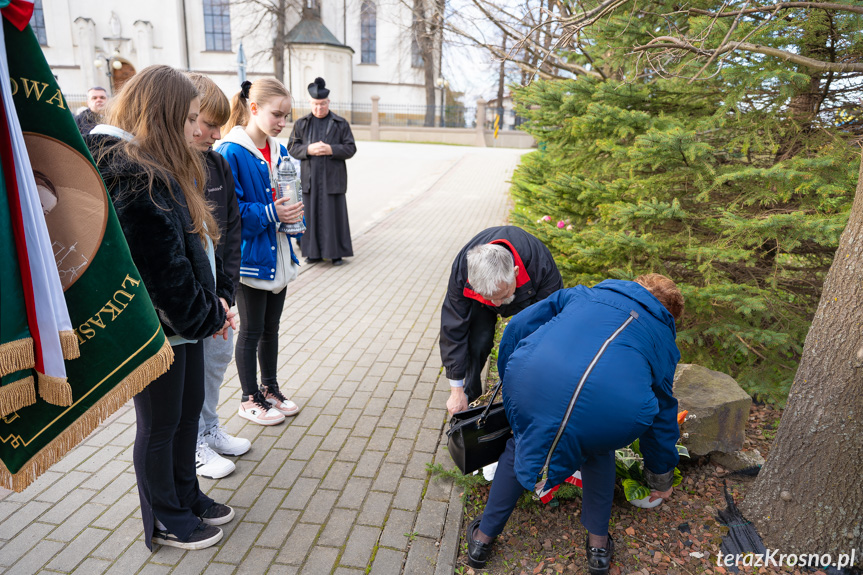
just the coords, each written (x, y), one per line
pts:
(34, 89)
(125, 294)
(131, 280)
(108, 312)
(85, 331)
(111, 308)
(58, 96)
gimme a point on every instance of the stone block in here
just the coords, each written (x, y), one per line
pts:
(738, 460)
(431, 518)
(422, 557)
(398, 529)
(360, 545)
(387, 562)
(233, 547)
(321, 560)
(335, 532)
(720, 406)
(257, 561)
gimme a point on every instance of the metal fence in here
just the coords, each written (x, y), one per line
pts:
(407, 115)
(75, 101)
(509, 120)
(358, 114)
(404, 115)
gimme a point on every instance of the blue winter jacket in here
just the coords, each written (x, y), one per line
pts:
(609, 348)
(257, 210)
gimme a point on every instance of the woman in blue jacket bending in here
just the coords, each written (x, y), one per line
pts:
(586, 371)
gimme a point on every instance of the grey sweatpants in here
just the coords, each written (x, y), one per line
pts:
(217, 356)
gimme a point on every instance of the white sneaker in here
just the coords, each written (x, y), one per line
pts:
(275, 398)
(220, 442)
(210, 464)
(257, 410)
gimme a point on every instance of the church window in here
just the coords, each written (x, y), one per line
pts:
(217, 25)
(368, 32)
(416, 53)
(37, 22)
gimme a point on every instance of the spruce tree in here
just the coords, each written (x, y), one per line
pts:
(737, 185)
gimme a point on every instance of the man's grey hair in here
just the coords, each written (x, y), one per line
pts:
(489, 266)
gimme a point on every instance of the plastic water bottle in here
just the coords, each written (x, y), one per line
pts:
(289, 187)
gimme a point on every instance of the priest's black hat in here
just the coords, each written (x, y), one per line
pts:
(317, 89)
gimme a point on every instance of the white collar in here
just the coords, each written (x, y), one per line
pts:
(109, 130)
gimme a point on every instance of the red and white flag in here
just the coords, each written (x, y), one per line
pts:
(47, 314)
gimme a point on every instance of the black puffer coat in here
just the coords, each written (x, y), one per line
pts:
(537, 278)
(172, 262)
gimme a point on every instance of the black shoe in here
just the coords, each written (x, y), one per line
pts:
(217, 514)
(313, 260)
(338, 262)
(202, 537)
(477, 551)
(599, 558)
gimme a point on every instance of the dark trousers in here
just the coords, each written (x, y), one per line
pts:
(597, 477)
(480, 340)
(166, 413)
(258, 339)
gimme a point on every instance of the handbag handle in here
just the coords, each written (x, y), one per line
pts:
(481, 421)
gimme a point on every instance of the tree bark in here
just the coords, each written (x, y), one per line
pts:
(808, 497)
(279, 41)
(501, 80)
(429, 80)
(428, 26)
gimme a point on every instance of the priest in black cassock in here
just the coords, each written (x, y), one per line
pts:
(322, 141)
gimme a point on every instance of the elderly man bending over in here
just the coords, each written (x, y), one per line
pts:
(501, 271)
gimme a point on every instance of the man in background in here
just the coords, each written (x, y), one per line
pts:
(97, 99)
(322, 141)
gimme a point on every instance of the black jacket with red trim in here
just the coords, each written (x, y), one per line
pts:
(538, 278)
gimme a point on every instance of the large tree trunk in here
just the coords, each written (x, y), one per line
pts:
(279, 41)
(428, 31)
(429, 80)
(501, 81)
(808, 497)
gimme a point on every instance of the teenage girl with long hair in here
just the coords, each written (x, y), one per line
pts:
(259, 113)
(156, 183)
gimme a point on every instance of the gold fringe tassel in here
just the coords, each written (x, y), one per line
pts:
(69, 344)
(16, 395)
(55, 390)
(16, 355)
(70, 437)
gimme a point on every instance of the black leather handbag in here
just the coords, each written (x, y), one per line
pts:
(477, 436)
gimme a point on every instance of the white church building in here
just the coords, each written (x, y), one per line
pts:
(362, 48)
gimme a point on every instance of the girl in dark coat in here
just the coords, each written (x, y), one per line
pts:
(156, 182)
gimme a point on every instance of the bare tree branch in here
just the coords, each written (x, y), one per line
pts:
(670, 42)
(857, 9)
(724, 40)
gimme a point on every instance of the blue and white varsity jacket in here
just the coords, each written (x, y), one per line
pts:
(253, 183)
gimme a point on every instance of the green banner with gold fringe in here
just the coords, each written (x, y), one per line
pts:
(122, 346)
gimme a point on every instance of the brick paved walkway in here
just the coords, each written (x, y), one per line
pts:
(341, 488)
